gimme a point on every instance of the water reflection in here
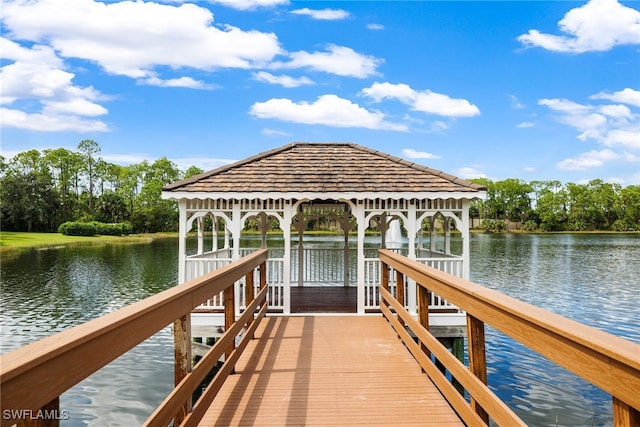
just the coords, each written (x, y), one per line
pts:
(47, 291)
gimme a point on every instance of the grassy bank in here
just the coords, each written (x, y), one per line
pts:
(13, 242)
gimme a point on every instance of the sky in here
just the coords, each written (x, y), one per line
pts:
(536, 90)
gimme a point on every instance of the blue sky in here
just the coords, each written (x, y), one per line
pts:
(505, 89)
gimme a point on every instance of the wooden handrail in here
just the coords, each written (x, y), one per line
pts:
(36, 374)
(609, 362)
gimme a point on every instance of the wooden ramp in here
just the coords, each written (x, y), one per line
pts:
(328, 371)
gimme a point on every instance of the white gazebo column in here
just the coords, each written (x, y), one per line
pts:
(432, 233)
(447, 235)
(358, 213)
(285, 225)
(412, 227)
(182, 241)
(236, 230)
(226, 235)
(346, 227)
(200, 235)
(466, 259)
(214, 233)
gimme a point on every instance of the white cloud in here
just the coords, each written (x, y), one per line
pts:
(424, 101)
(249, 4)
(49, 122)
(625, 96)
(328, 110)
(588, 160)
(125, 159)
(134, 38)
(598, 25)
(338, 60)
(525, 125)
(204, 163)
(185, 82)
(282, 80)
(76, 107)
(375, 27)
(515, 102)
(410, 153)
(468, 172)
(323, 14)
(609, 125)
(38, 76)
(274, 132)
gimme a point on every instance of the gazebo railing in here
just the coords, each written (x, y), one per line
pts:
(323, 266)
(372, 280)
(320, 266)
(199, 265)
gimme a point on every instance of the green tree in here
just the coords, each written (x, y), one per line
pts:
(629, 216)
(513, 199)
(551, 206)
(90, 150)
(606, 203)
(193, 170)
(485, 208)
(151, 212)
(28, 200)
(111, 208)
(65, 166)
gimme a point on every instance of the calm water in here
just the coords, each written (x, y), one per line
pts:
(593, 279)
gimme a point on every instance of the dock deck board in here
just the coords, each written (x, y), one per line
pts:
(328, 371)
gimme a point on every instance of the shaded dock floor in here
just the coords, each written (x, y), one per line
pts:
(328, 371)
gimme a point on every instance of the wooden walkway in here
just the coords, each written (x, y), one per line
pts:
(328, 371)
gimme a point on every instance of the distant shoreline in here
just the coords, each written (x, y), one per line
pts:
(13, 243)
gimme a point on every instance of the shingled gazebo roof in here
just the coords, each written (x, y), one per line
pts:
(323, 168)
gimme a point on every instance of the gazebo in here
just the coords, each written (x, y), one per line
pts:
(367, 193)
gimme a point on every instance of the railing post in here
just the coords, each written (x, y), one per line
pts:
(249, 295)
(400, 291)
(182, 359)
(229, 318)
(424, 299)
(384, 279)
(477, 358)
(624, 415)
(263, 278)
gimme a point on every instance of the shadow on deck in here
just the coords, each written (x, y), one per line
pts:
(324, 299)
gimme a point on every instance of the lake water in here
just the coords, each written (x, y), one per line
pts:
(591, 278)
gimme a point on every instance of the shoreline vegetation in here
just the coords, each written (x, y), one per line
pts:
(15, 242)
(39, 191)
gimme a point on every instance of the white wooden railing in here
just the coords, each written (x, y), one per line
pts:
(320, 266)
(372, 280)
(200, 264)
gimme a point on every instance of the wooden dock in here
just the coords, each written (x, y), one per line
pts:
(328, 371)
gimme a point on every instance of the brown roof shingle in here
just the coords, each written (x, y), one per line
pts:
(323, 167)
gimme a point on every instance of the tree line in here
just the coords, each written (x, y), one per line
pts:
(41, 190)
(554, 206)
